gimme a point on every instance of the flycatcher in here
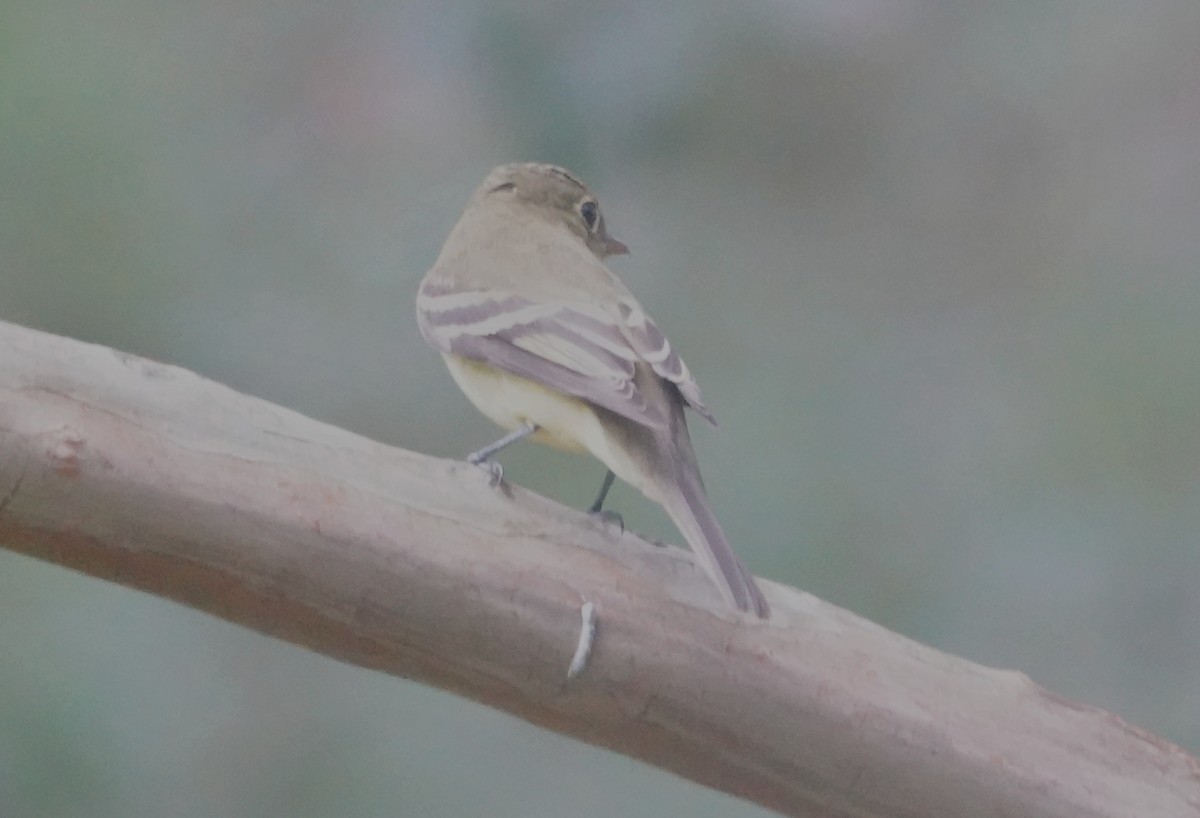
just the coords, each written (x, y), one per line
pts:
(547, 342)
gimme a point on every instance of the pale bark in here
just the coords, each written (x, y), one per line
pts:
(151, 476)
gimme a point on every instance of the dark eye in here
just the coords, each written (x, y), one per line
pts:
(590, 211)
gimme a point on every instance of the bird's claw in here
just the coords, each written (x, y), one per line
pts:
(493, 468)
(608, 517)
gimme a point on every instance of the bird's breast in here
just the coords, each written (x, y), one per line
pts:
(511, 401)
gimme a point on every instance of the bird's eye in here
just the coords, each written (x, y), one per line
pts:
(590, 212)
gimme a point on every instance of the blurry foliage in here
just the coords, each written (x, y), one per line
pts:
(934, 265)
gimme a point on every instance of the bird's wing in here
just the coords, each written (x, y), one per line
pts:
(654, 348)
(574, 347)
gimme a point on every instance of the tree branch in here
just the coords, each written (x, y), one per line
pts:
(155, 478)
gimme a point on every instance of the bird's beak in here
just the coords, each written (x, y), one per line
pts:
(612, 247)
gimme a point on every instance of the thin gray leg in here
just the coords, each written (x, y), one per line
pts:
(598, 505)
(482, 457)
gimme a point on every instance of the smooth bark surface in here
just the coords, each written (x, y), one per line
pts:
(153, 477)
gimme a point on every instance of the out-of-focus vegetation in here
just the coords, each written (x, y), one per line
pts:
(935, 265)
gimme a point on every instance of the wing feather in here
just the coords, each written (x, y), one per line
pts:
(653, 347)
(574, 347)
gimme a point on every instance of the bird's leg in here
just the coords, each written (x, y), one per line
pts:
(597, 506)
(482, 457)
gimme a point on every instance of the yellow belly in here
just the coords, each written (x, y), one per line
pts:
(564, 422)
(512, 401)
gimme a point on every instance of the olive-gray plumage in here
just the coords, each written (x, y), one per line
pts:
(539, 333)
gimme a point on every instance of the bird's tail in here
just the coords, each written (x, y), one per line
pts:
(687, 504)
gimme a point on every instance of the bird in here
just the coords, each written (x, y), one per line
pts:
(546, 341)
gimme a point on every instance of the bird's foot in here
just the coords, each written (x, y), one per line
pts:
(608, 517)
(493, 468)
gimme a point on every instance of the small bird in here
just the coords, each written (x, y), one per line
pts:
(548, 343)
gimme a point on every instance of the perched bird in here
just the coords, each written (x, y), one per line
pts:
(547, 342)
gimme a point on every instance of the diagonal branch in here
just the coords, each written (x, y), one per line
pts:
(153, 477)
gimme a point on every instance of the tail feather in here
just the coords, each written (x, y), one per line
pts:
(661, 463)
(690, 510)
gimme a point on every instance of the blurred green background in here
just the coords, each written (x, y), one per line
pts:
(936, 266)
